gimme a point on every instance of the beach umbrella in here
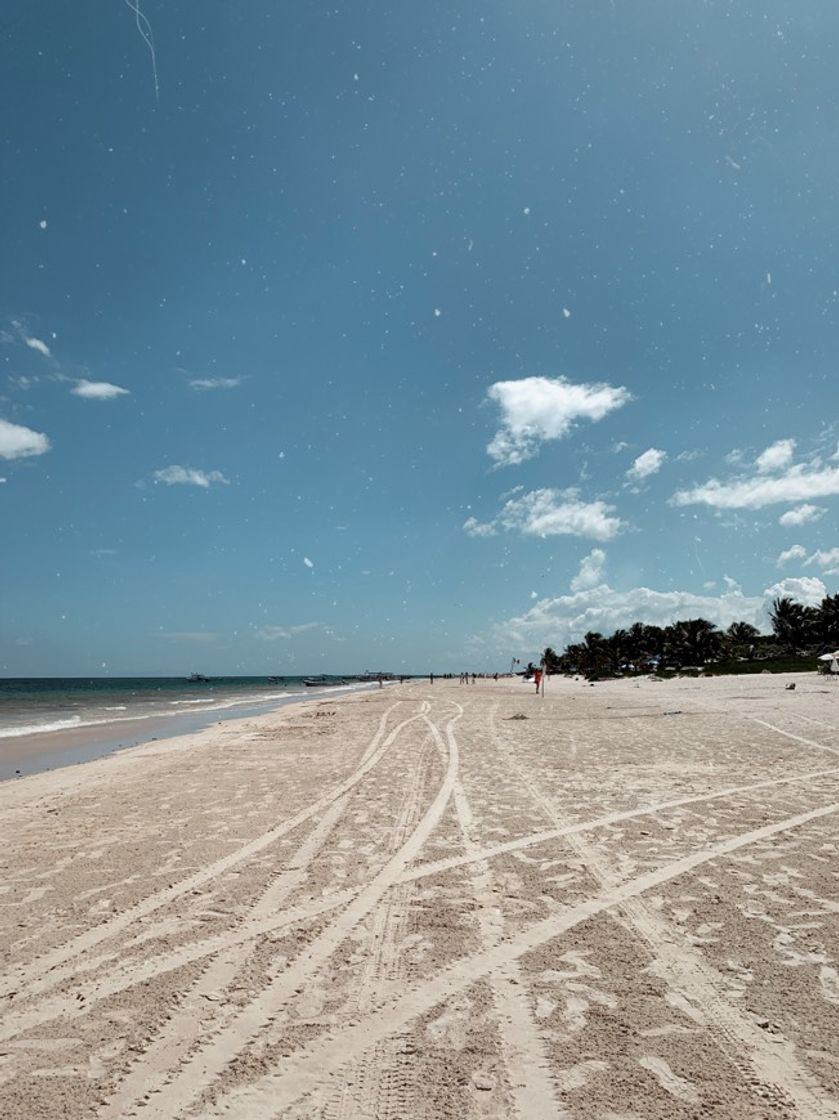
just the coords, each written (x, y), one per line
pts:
(829, 656)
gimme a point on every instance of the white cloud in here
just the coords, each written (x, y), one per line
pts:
(39, 345)
(188, 476)
(590, 573)
(97, 390)
(541, 408)
(824, 559)
(800, 482)
(777, 456)
(566, 618)
(801, 515)
(476, 528)
(17, 442)
(215, 382)
(808, 590)
(650, 462)
(308, 562)
(550, 513)
(796, 552)
(274, 633)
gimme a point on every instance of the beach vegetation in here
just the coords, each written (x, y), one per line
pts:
(800, 633)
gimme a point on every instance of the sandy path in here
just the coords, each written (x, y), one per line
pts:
(406, 904)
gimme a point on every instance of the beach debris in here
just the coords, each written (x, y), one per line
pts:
(518, 715)
(483, 1081)
(790, 687)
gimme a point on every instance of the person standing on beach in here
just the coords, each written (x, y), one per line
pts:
(537, 676)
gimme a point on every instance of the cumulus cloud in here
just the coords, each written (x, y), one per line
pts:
(591, 571)
(777, 456)
(797, 484)
(535, 409)
(808, 590)
(650, 462)
(188, 476)
(203, 383)
(801, 515)
(308, 562)
(550, 513)
(796, 552)
(39, 345)
(17, 442)
(566, 618)
(97, 390)
(275, 633)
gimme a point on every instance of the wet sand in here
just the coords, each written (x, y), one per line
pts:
(413, 903)
(30, 754)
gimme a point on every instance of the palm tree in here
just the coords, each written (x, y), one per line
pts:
(617, 650)
(740, 638)
(792, 623)
(693, 641)
(828, 623)
(574, 658)
(644, 643)
(594, 653)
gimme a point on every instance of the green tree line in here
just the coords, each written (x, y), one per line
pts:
(796, 630)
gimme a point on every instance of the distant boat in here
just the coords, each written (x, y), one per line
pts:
(197, 678)
(276, 680)
(319, 682)
(368, 676)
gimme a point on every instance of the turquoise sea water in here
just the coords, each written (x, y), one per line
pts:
(51, 721)
(36, 705)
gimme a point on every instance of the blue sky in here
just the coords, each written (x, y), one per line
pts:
(410, 336)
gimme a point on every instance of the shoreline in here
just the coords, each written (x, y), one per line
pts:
(25, 755)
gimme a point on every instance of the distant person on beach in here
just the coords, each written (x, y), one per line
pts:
(537, 676)
(431, 678)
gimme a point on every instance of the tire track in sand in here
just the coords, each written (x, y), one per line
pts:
(199, 1011)
(126, 976)
(211, 1060)
(379, 1084)
(305, 1071)
(767, 1061)
(790, 735)
(534, 838)
(523, 1048)
(33, 973)
(201, 1008)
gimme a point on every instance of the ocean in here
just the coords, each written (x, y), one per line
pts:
(54, 721)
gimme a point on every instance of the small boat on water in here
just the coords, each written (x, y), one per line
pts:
(276, 680)
(368, 675)
(321, 681)
(197, 678)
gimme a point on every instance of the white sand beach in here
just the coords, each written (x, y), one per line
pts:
(415, 903)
